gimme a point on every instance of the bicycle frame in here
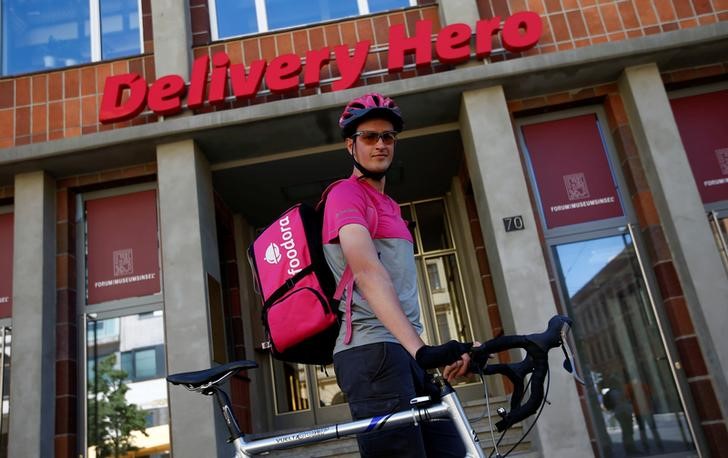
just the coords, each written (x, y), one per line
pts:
(448, 406)
(537, 347)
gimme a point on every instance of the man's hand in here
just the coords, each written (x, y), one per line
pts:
(432, 357)
(459, 367)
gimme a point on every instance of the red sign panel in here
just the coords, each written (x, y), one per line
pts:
(6, 264)
(123, 247)
(573, 176)
(703, 124)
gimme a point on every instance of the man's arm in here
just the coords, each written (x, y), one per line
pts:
(376, 286)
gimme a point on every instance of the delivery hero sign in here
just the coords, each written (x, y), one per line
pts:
(127, 95)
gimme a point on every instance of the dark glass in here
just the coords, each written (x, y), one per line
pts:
(433, 228)
(632, 396)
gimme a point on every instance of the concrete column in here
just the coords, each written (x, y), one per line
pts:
(516, 258)
(189, 254)
(261, 403)
(32, 382)
(697, 261)
(458, 11)
(172, 37)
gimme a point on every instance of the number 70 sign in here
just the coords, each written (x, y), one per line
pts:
(513, 223)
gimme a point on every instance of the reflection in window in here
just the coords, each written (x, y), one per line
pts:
(720, 232)
(120, 35)
(291, 387)
(236, 17)
(631, 393)
(241, 17)
(5, 346)
(433, 275)
(45, 34)
(126, 389)
(329, 393)
(285, 13)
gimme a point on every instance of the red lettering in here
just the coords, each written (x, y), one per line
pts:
(165, 95)
(453, 44)
(484, 31)
(350, 67)
(282, 73)
(125, 96)
(400, 44)
(247, 86)
(112, 108)
(218, 80)
(513, 39)
(314, 61)
(196, 94)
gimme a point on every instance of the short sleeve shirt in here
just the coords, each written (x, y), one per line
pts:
(354, 202)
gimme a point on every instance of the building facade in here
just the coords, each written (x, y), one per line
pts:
(559, 156)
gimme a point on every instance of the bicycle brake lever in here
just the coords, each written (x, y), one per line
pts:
(569, 361)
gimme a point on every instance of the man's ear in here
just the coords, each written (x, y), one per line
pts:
(349, 145)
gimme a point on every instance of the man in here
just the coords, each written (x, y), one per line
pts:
(379, 358)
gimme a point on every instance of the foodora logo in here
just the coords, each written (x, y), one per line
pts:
(289, 245)
(272, 254)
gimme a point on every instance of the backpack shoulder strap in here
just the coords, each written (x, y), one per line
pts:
(346, 284)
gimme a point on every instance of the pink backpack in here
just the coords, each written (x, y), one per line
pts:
(300, 298)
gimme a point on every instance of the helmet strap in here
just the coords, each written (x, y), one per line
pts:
(364, 171)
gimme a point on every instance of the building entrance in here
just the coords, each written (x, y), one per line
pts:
(305, 394)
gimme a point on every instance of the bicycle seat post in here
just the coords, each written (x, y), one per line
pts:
(223, 402)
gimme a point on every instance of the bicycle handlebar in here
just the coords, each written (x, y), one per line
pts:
(537, 347)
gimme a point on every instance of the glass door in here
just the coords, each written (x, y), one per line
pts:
(126, 391)
(444, 312)
(634, 403)
(719, 225)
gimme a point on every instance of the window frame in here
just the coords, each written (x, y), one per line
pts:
(94, 37)
(613, 161)
(86, 313)
(4, 209)
(262, 18)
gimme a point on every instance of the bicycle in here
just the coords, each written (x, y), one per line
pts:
(423, 408)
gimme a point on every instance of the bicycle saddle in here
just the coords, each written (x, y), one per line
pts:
(203, 380)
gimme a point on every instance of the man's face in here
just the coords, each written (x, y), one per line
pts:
(376, 156)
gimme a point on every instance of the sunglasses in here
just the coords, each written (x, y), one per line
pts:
(370, 137)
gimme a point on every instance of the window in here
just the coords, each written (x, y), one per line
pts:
(45, 34)
(125, 382)
(242, 17)
(120, 308)
(143, 364)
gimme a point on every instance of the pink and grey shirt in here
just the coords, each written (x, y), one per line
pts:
(350, 202)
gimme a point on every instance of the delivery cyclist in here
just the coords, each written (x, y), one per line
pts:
(379, 358)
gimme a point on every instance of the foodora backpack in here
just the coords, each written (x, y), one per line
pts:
(300, 298)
